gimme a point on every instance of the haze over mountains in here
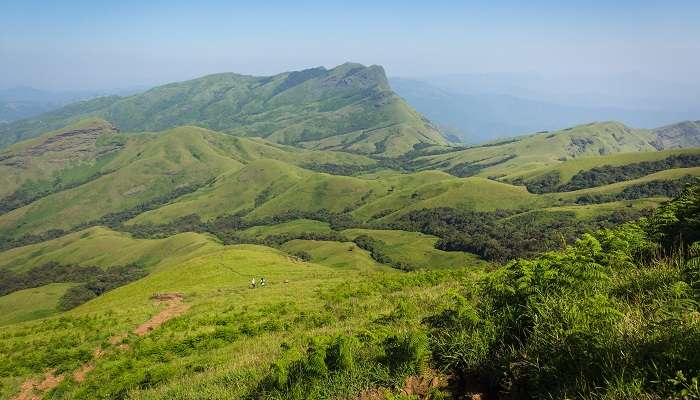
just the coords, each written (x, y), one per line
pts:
(24, 102)
(481, 107)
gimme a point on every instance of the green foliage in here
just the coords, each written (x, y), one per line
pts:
(327, 108)
(407, 353)
(112, 220)
(654, 188)
(75, 296)
(51, 272)
(543, 184)
(340, 354)
(679, 221)
(95, 281)
(605, 317)
(502, 236)
(375, 248)
(100, 283)
(607, 174)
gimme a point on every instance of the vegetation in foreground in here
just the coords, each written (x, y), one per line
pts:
(615, 315)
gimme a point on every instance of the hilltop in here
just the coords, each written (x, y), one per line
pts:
(350, 107)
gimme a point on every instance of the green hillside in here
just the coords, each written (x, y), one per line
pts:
(298, 226)
(343, 326)
(72, 154)
(350, 107)
(567, 169)
(145, 169)
(30, 304)
(106, 248)
(526, 155)
(416, 249)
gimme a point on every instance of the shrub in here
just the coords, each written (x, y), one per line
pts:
(407, 353)
(339, 356)
(315, 366)
(75, 296)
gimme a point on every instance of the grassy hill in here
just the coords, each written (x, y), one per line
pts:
(392, 329)
(350, 107)
(106, 248)
(524, 155)
(416, 249)
(58, 158)
(30, 304)
(142, 169)
(567, 169)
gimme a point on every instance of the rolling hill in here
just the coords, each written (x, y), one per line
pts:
(350, 107)
(511, 158)
(75, 175)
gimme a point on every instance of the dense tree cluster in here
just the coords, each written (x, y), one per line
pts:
(495, 237)
(339, 169)
(607, 174)
(546, 183)
(464, 170)
(50, 272)
(657, 188)
(375, 247)
(93, 279)
(100, 283)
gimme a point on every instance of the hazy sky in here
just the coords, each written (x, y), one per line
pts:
(116, 44)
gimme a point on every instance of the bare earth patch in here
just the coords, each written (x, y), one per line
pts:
(33, 389)
(174, 307)
(415, 385)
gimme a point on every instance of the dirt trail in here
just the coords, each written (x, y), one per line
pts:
(174, 307)
(420, 386)
(33, 389)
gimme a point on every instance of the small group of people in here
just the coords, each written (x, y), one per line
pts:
(253, 283)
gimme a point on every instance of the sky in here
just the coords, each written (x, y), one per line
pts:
(90, 45)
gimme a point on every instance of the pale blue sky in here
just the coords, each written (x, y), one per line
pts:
(125, 43)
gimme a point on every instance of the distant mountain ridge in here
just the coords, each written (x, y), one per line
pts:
(22, 102)
(350, 107)
(482, 115)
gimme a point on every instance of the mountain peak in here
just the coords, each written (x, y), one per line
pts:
(349, 107)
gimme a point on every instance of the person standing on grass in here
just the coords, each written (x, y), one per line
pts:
(252, 283)
(262, 281)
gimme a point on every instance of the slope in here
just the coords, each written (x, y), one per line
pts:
(105, 248)
(566, 170)
(139, 172)
(509, 159)
(45, 163)
(268, 188)
(350, 107)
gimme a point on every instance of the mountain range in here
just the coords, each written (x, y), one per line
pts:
(135, 233)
